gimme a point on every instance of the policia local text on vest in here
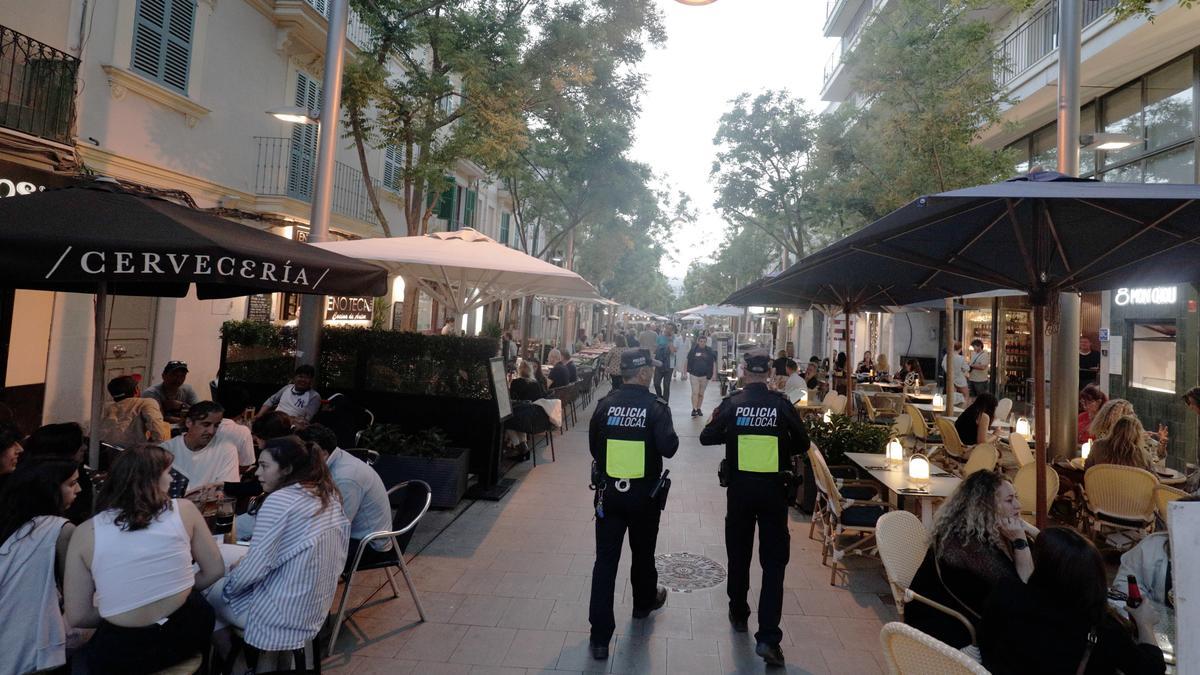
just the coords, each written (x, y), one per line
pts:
(630, 434)
(761, 432)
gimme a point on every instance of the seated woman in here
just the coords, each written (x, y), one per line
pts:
(911, 376)
(866, 365)
(64, 441)
(10, 451)
(1154, 445)
(134, 558)
(974, 425)
(812, 379)
(978, 541)
(881, 365)
(33, 549)
(1122, 445)
(1091, 399)
(280, 592)
(524, 386)
(1043, 626)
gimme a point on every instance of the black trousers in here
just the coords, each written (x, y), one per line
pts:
(761, 500)
(662, 383)
(632, 511)
(149, 649)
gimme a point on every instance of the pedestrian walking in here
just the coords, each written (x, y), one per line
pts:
(629, 435)
(679, 358)
(664, 354)
(762, 433)
(701, 367)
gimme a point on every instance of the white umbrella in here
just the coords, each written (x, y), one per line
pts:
(691, 317)
(712, 310)
(465, 269)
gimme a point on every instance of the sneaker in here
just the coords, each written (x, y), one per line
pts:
(599, 652)
(660, 599)
(772, 654)
(739, 625)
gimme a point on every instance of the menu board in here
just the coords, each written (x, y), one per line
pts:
(258, 308)
(500, 387)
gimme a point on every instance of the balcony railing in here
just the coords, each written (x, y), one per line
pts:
(1037, 37)
(286, 168)
(849, 39)
(356, 31)
(37, 87)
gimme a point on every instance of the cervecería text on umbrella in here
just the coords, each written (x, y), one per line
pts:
(188, 264)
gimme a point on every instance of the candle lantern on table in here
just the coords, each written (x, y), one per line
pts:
(939, 402)
(1023, 426)
(918, 468)
(895, 451)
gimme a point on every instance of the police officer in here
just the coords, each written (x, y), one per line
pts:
(761, 432)
(630, 433)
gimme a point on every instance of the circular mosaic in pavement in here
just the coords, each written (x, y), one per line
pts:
(686, 572)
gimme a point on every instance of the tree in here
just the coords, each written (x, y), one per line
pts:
(744, 256)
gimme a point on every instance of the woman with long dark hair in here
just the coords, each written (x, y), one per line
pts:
(64, 441)
(1060, 621)
(33, 545)
(10, 451)
(129, 570)
(974, 425)
(280, 592)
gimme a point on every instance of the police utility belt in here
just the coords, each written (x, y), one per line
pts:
(757, 455)
(625, 462)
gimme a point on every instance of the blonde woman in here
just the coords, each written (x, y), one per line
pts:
(881, 365)
(1117, 408)
(1122, 445)
(979, 540)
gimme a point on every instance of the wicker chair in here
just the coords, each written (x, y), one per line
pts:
(1025, 484)
(908, 651)
(844, 516)
(920, 430)
(984, 457)
(1119, 498)
(952, 445)
(873, 414)
(1020, 448)
(903, 542)
(1163, 496)
(901, 426)
(1003, 409)
(852, 487)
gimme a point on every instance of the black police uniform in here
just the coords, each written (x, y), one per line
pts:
(630, 433)
(761, 432)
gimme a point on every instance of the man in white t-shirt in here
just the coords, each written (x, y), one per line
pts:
(199, 454)
(958, 371)
(297, 400)
(981, 362)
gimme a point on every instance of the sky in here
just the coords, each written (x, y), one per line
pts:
(713, 53)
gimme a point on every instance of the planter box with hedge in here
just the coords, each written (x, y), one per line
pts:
(835, 438)
(423, 455)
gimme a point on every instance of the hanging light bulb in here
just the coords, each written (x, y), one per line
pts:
(1085, 450)
(918, 468)
(1023, 426)
(939, 402)
(895, 451)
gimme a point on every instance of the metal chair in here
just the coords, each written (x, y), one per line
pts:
(983, 457)
(365, 454)
(410, 500)
(908, 651)
(1025, 483)
(844, 516)
(903, 543)
(1119, 498)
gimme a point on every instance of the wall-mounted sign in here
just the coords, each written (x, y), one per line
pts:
(19, 179)
(1161, 295)
(344, 308)
(1103, 335)
(258, 308)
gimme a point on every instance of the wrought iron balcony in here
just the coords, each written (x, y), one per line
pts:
(1037, 37)
(37, 87)
(287, 168)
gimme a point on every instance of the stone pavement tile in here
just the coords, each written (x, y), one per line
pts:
(857, 633)
(802, 661)
(570, 616)
(439, 607)
(791, 605)
(533, 563)
(366, 637)
(639, 654)
(535, 649)
(432, 668)
(709, 624)
(484, 646)
(481, 610)
(821, 602)
(584, 560)
(437, 578)
(529, 613)
(685, 657)
(496, 670)
(517, 585)
(693, 600)
(563, 587)
(476, 582)
(868, 606)
(532, 671)
(432, 642)
(368, 665)
(668, 622)
(848, 662)
(576, 655)
(810, 632)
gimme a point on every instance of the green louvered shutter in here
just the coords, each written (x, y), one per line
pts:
(303, 166)
(504, 229)
(393, 168)
(162, 41)
(469, 209)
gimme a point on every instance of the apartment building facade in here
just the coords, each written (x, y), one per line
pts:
(172, 95)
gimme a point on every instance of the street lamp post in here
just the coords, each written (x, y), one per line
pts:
(308, 334)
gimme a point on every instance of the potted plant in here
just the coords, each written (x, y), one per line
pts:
(424, 455)
(841, 434)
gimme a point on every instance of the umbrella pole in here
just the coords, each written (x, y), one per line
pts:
(100, 313)
(1039, 407)
(849, 363)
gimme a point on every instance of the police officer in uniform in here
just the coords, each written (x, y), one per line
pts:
(761, 432)
(629, 434)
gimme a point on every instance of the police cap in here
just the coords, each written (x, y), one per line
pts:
(632, 359)
(758, 361)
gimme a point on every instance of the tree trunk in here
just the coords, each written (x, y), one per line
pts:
(372, 195)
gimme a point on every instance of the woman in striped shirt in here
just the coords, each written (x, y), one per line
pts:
(280, 592)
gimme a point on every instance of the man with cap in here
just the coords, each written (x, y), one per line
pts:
(761, 432)
(630, 434)
(172, 394)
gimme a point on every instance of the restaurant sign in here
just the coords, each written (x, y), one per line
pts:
(1161, 295)
(349, 309)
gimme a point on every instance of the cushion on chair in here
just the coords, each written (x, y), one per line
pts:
(859, 492)
(862, 516)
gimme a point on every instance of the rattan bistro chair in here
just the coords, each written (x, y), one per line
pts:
(1119, 498)
(983, 457)
(843, 517)
(908, 651)
(1025, 483)
(1020, 448)
(952, 445)
(1163, 496)
(920, 430)
(903, 542)
(410, 500)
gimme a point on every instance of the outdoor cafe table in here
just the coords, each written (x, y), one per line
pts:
(895, 478)
(920, 398)
(929, 410)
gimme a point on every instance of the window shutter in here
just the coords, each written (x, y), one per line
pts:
(504, 229)
(469, 209)
(393, 168)
(445, 208)
(302, 170)
(162, 41)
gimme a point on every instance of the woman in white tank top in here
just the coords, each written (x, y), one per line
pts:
(135, 558)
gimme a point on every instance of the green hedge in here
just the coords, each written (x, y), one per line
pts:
(364, 358)
(843, 434)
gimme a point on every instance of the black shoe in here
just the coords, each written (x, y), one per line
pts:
(659, 600)
(772, 654)
(739, 625)
(599, 652)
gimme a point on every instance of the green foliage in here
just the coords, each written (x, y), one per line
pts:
(843, 434)
(1129, 8)
(363, 358)
(744, 255)
(390, 439)
(491, 329)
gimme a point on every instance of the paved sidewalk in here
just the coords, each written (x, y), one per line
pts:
(506, 585)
